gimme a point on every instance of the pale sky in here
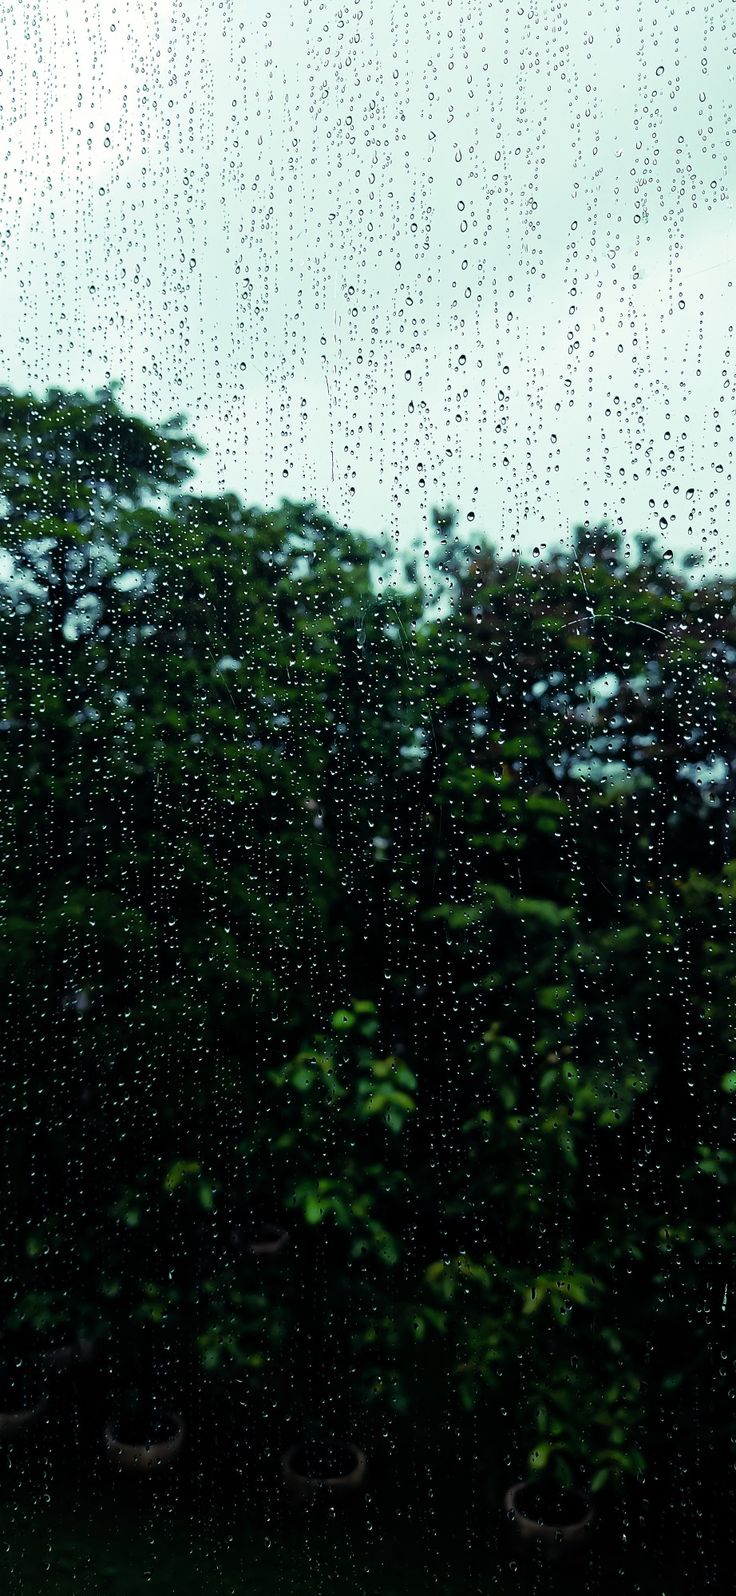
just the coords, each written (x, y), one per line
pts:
(390, 255)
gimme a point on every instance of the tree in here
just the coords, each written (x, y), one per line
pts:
(408, 918)
(177, 672)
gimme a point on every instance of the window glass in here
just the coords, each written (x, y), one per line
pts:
(367, 880)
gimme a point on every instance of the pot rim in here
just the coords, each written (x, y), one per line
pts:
(79, 1349)
(141, 1447)
(273, 1240)
(18, 1415)
(329, 1481)
(550, 1526)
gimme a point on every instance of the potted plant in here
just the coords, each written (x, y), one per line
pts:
(544, 1352)
(543, 1513)
(321, 1466)
(43, 1331)
(585, 1429)
(145, 1430)
(143, 1435)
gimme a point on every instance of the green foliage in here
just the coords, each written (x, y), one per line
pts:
(410, 921)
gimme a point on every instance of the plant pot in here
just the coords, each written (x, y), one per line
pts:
(265, 1241)
(333, 1470)
(555, 1521)
(23, 1400)
(76, 1354)
(145, 1444)
(50, 1350)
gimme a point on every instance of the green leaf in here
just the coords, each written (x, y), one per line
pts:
(553, 997)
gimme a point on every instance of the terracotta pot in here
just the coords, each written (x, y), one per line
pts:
(304, 1487)
(143, 1458)
(554, 1540)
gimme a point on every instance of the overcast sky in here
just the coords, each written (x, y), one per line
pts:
(390, 255)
